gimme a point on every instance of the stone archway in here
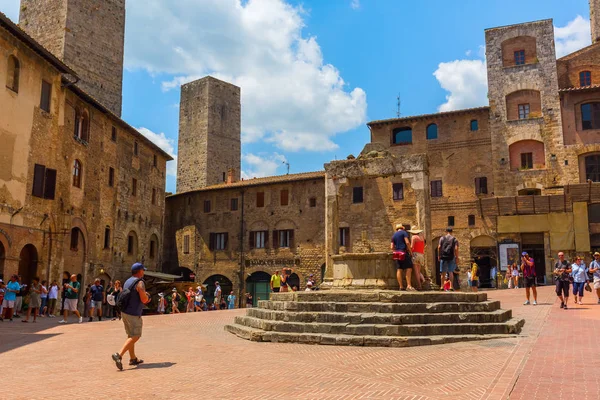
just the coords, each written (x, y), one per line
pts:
(485, 254)
(258, 285)
(209, 283)
(28, 260)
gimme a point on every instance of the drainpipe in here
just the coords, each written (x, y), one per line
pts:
(241, 297)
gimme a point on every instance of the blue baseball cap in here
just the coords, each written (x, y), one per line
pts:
(137, 266)
(524, 253)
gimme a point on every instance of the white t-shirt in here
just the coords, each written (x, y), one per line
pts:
(53, 292)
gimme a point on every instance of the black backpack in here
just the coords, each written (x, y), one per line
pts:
(125, 295)
(447, 248)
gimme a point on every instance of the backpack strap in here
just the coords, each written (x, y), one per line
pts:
(135, 283)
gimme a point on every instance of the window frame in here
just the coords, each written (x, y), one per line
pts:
(258, 239)
(471, 220)
(481, 186)
(207, 206)
(113, 134)
(344, 237)
(436, 188)
(111, 177)
(12, 79)
(218, 241)
(395, 131)
(585, 78)
(312, 202)
(46, 96)
(281, 236)
(106, 237)
(136, 148)
(358, 195)
(152, 249)
(77, 173)
(524, 110)
(527, 160)
(134, 187)
(451, 220)
(594, 116)
(130, 244)
(260, 199)
(186, 244)
(284, 197)
(593, 175)
(520, 57)
(476, 125)
(234, 201)
(397, 191)
(427, 133)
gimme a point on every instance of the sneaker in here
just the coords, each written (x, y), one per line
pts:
(135, 361)
(562, 305)
(80, 319)
(565, 307)
(411, 289)
(580, 303)
(535, 303)
(526, 303)
(62, 321)
(52, 316)
(117, 359)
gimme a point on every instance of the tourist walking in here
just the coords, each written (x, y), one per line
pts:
(44, 298)
(174, 301)
(162, 304)
(417, 249)
(562, 272)
(595, 271)
(580, 278)
(249, 301)
(132, 315)
(96, 299)
(52, 299)
(72, 293)
(231, 301)
(401, 248)
(66, 279)
(218, 293)
(474, 276)
(198, 296)
(19, 298)
(116, 291)
(190, 296)
(529, 277)
(35, 301)
(2, 291)
(515, 277)
(275, 282)
(10, 295)
(448, 255)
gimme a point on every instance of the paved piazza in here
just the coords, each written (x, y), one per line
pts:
(190, 356)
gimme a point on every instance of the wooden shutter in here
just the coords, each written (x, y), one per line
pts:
(45, 98)
(211, 242)
(284, 197)
(275, 239)
(260, 199)
(291, 239)
(226, 240)
(266, 234)
(39, 174)
(50, 184)
(252, 239)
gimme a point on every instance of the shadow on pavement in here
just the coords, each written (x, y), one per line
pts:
(11, 341)
(155, 365)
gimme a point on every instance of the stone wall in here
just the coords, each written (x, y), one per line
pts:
(209, 134)
(88, 36)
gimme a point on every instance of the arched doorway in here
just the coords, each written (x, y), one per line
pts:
(293, 280)
(484, 254)
(258, 285)
(2, 258)
(226, 286)
(28, 259)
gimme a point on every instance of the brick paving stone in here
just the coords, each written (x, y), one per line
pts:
(191, 355)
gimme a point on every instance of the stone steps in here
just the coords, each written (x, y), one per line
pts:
(381, 318)
(258, 335)
(512, 326)
(376, 307)
(384, 296)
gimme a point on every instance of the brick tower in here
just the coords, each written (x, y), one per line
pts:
(527, 138)
(88, 35)
(209, 134)
(595, 19)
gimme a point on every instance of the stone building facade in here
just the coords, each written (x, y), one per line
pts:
(240, 233)
(88, 36)
(80, 189)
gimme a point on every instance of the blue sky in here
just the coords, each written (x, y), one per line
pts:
(313, 72)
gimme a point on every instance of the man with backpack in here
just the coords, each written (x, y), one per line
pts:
(131, 302)
(448, 255)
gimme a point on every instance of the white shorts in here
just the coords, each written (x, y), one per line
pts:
(596, 284)
(8, 303)
(71, 304)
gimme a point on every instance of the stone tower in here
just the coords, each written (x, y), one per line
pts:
(209, 148)
(595, 19)
(88, 35)
(525, 119)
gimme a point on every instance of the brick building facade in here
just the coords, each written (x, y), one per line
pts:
(80, 189)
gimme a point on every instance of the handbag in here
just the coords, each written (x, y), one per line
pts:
(110, 299)
(588, 287)
(199, 298)
(399, 255)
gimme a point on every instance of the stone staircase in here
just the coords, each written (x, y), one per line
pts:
(375, 318)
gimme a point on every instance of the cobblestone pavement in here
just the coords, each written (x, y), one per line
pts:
(187, 355)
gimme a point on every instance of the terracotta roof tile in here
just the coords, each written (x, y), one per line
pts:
(303, 176)
(579, 89)
(424, 116)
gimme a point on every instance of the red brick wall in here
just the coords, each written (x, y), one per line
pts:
(531, 97)
(527, 146)
(509, 47)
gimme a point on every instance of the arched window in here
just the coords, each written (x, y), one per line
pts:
(592, 168)
(402, 136)
(527, 154)
(432, 131)
(585, 78)
(523, 104)
(590, 116)
(82, 125)
(77, 171)
(14, 69)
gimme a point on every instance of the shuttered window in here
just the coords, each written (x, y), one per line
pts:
(283, 238)
(259, 239)
(481, 185)
(107, 237)
(357, 194)
(436, 189)
(398, 189)
(284, 197)
(218, 241)
(234, 204)
(111, 177)
(186, 244)
(260, 199)
(206, 206)
(46, 95)
(44, 182)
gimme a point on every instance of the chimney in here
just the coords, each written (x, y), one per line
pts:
(595, 20)
(230, 175)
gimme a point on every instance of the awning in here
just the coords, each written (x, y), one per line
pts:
(160, 275)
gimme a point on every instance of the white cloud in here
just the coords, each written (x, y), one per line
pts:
(165, 143)
(261, 165)
(290, 96)
(355, 4)
(572, 37)
(466, 80)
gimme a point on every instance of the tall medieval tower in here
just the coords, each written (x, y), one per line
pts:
(209, 149)
(595, 19)
(88, 35)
